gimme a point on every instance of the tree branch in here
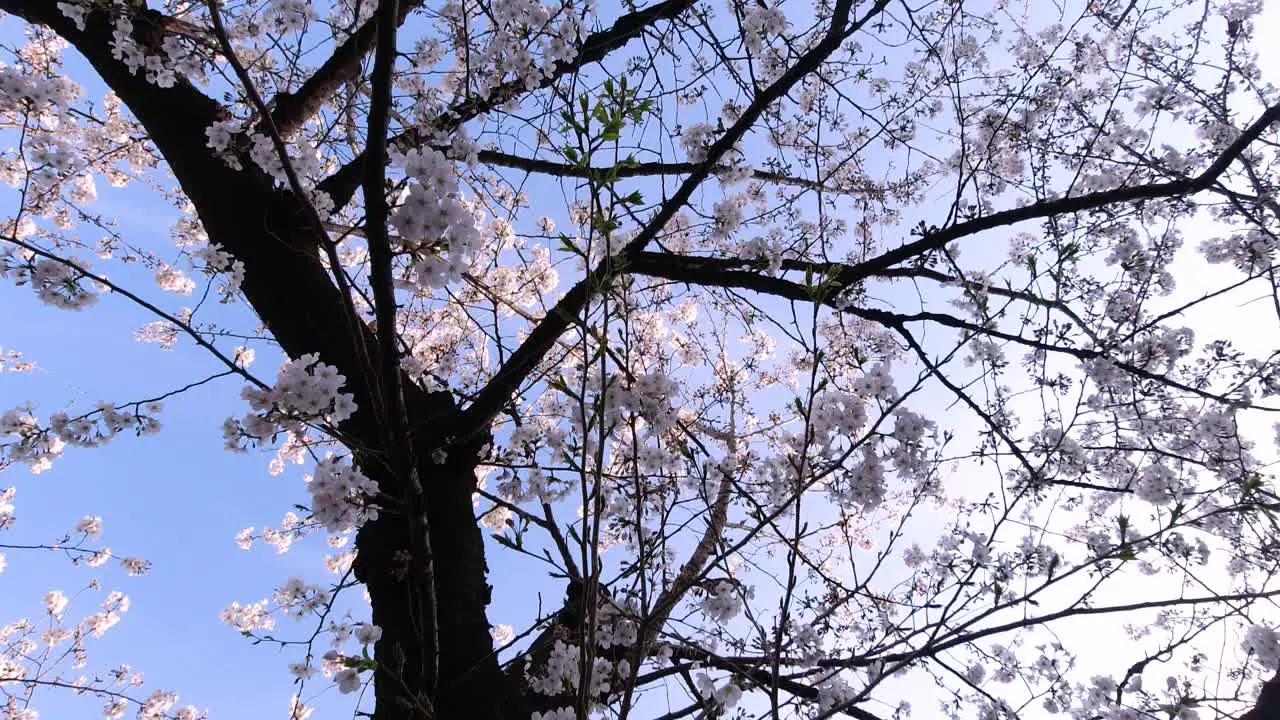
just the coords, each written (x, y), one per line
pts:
(701, 272)
(648, 169)
(342, 183)
(652, 263)
(291, 109)
(1268, 705)
(420, 669)
(499, 390)
(1078, 203)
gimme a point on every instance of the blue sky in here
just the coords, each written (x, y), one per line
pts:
(174, 498)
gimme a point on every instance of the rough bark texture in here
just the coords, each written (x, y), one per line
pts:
(1268, 705)
(471, 684)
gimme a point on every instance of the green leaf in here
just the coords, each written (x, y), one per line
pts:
(506, 542)
(1069, 252)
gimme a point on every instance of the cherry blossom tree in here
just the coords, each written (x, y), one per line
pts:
(831, 359)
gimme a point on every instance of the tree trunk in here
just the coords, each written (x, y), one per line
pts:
(1268, 705)
(471, 685)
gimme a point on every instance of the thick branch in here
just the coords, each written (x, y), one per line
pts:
(291, 109)
(342, 184)
(648, 169)
(502, 387)
(418, 649)
(1078, 203)
(699, 273)
(962, 635)
(1268, 705)
(655, 263)
(293, 294)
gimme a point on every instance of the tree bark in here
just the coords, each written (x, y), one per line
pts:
(471, 685)
(1268, 705)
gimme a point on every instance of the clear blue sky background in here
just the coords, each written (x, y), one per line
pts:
(174, 498)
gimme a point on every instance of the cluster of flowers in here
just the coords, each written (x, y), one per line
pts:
(1250, 250)
(38, 446)
(34, 445)
(433, 222)
(162, 70)
(18, 88)
(287, 16)
(861, 486)
(722, 603)
(729, 213)
(247, 618)
(833, 693)
(345, 673)
(305, 391)
(835, 414)
(309, 391)
(535, 485)
(562, 674)
(560, 713)
(87, 527)
(615, 626)
(173, 280)
(159, 706)
(725, 697)
(55, 283)
(806, 643)
(217, 261)
(909, 429)
(305, 158)
(696, 140)
(12, 361)
(296, 598)
(519, 26)
(759, 24)
(1159, 485)
(54, 160)
(281, 538)
(1263, 643)
(340, 495)
(523, 286)
(765, 250)
(22, 660)
(652, 396)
